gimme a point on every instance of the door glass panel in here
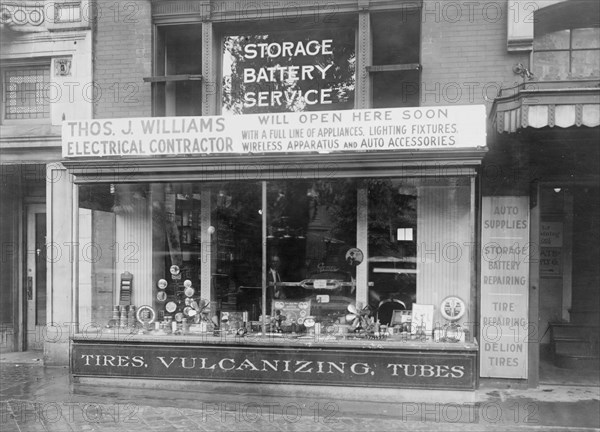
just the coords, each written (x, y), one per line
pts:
(40, 268)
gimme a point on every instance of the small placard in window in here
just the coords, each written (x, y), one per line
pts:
(404, 234)
(323, 298)
(320, 283)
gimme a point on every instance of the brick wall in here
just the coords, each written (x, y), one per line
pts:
(122, 58)
(464, 53)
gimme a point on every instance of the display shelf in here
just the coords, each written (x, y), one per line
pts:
(274, 339)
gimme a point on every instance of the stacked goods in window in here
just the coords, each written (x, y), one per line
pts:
(182, 311)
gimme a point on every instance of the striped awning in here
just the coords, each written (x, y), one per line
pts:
(547, 104)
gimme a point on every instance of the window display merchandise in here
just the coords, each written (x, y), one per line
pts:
(194, 260)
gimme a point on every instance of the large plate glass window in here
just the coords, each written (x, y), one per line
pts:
(193, 252)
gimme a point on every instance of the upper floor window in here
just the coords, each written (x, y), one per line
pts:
(396, 56)
(289, 71)
(566, 41)
(177, 80)
(24, 93)
(567, 53)
(288, 66)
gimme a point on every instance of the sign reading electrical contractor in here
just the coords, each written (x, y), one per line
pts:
(398, 129)
(504, 287)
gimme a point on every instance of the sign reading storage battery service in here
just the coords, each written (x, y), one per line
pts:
(504, 287)
(401, 129)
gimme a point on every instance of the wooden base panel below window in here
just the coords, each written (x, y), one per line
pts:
(344, 363)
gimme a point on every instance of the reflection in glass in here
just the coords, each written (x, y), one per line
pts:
(204, 241)
(551, 65)
(311, 226)
(585, 63)
(586, 38)
(552, 41)
(392, 245)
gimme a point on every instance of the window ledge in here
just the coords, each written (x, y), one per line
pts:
(172, 78)
(19, 135)
(281, 340)
(394, 67)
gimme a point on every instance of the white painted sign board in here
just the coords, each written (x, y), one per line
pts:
(504, 287)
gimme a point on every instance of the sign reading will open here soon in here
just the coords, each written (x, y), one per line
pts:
(394, 129)
(504, 287)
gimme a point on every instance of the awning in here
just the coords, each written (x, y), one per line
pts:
(547, 104)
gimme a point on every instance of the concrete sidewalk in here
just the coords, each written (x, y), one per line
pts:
(34, 397)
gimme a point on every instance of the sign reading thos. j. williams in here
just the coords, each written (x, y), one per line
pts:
(394, 129)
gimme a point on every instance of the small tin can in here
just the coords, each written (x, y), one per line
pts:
(317, 329)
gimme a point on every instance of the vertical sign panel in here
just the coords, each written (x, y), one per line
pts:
(504, 286)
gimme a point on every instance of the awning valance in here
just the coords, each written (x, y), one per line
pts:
(547, 104)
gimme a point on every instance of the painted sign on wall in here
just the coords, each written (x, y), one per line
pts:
(268, 364)
(392, 129)
(289, 71)
(551, 234)
(504, 287)
(551, 262)
(551, 253)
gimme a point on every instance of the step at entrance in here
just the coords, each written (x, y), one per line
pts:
(575, 345)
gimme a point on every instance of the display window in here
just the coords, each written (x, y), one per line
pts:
(356, 258)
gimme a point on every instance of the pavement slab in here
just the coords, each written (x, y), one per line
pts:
(37, 398)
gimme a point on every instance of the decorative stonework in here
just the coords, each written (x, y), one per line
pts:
(22, 16)
(363, 59)
(524, 116)
(67, 12)
(62, 67)
(578, 114)
(197, 8)
(209, 83)
(551, 115)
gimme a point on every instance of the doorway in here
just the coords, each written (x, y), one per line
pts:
(569, 281)
(35, 282)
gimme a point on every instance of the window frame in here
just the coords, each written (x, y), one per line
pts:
(224, 29)
(160, 77)
(44, 64)
(376, 71)
(465, 180)
(570, 50)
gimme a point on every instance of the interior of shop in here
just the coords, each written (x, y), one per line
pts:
(194, 258)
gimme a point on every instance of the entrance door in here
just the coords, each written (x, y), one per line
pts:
(35, 285)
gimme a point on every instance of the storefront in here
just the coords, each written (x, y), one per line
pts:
(297, 225)
(362, 253)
